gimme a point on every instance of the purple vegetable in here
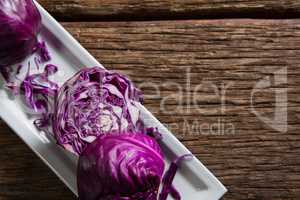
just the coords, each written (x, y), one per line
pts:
(120, 167)
(42, 50)
(94, 102)
(37, 89)
(6, 71)
(154, 133)
(20, 22)
(168, 188)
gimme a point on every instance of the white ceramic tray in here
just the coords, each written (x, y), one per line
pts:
(194, 181)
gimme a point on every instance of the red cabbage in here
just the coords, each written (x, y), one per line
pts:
(20, 22)
(94, 102)
(42, 50)
(6, 71)
(169, 176)
(120, 167)
(37, 89)
(154, 133)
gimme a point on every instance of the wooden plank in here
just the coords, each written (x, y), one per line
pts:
(255, 161)
(23, 175)
(170, 9)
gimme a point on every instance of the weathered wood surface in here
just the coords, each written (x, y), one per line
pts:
(170, 9)
(23, 175)
(255, 161)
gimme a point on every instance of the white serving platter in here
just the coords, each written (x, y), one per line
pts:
(194, 181)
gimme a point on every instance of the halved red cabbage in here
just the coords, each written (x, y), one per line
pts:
(120, 167)
(20, 22)
(94, 102)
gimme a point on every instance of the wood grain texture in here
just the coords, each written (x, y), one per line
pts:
(23, 175)
(170, 9)
(255, 161)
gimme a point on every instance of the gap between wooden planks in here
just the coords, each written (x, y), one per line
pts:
(170, 9)
(256, 162)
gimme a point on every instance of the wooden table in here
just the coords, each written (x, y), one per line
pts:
(207, 58)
